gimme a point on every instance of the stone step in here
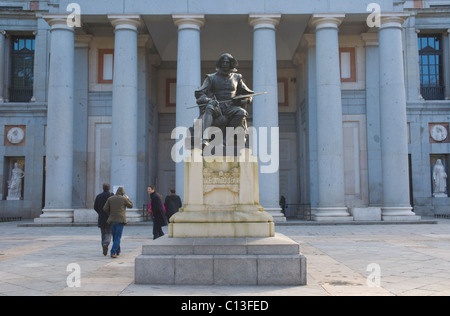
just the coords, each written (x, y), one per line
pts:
(221, 261)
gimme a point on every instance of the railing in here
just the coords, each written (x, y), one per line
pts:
(20, 94)
(433, 93)
(301, 211)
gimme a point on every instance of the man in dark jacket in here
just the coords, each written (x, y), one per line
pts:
(105, 228)
(116, 207)
(172, 203)
(159, 218)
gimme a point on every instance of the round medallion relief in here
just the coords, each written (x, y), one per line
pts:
(439, 133)
(15, 135)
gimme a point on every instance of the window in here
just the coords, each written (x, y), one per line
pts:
(347, 61)
(22, 69)
(431, 70)
(105, 66)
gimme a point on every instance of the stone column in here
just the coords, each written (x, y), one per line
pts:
(125, 104)
(265, 109)
(60, 122)
(2, 64)
(188, 77)
(330, 143)
(412, 56)
(373, 119)
(80, 148)
(40, 61)
(393, 120)
(447, 67)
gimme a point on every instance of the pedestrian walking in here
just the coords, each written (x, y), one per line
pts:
(172, 203)
(105, 228)
(159, 218)
(116, 206)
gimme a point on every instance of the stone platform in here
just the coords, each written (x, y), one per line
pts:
(221, 261)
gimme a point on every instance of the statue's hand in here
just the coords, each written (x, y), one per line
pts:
(203, 100)
(213, 102)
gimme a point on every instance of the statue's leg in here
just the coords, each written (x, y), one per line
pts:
(208, 118)
(237, 117)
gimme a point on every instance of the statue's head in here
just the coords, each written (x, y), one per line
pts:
(227, 62)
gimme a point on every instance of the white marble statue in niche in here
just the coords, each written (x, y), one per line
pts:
(439, 180)
(15, 183)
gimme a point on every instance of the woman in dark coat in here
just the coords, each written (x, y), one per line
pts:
(172, 203)
(159, 218)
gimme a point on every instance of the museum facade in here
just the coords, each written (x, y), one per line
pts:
(356, 113)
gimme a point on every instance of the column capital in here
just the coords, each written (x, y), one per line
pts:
(393, 19)
(371, 39)
(326, 20)
(264, 20)
(125, 21)
(189, 21)
(57, 22)
(2, 32)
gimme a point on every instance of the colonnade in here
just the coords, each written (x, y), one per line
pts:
(330, 156)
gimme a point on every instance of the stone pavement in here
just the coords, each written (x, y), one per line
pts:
(342, 260)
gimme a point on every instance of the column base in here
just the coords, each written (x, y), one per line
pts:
(278, 217)
(400, 214)
(331, 214)
(134, 216)
(55, 216)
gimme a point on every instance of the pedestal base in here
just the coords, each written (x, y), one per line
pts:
(221, 261)
(208, 230)
(242, 221)
(13, 198)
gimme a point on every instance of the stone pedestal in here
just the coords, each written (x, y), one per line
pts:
(221, 199)
(221, 261)
(222, 235)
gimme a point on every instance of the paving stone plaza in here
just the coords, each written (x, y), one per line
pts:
(343, 260)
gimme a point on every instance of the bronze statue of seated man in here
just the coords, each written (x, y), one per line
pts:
(223, 98)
